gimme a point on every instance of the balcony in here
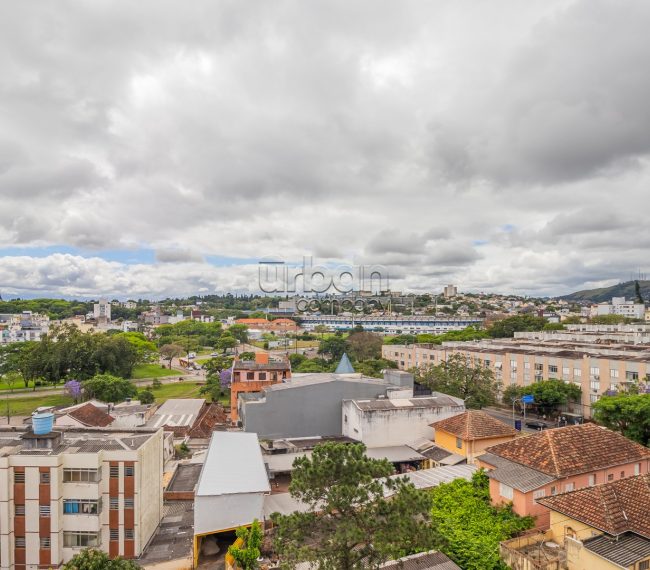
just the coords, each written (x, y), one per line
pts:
(534, 551)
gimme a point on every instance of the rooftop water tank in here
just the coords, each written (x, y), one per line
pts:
(42, 423)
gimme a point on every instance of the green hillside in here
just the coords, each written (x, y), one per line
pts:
(606, 293)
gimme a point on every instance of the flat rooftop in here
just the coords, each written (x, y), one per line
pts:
(178, 412)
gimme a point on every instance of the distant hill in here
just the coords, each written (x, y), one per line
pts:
(606, 293)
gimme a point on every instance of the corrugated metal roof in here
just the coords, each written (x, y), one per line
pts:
(623, 550)
(233, 465)
(394, 454)
(515, 475)
(428, 478)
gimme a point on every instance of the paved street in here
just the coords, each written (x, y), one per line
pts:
(506, 417)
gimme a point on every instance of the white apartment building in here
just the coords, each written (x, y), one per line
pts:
(620, 306)
(597, 367)
(71, 489)
(22, 327)
(102, 310)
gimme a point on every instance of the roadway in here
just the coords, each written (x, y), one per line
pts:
(506, 417)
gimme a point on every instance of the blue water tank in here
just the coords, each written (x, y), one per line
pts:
(42, 423)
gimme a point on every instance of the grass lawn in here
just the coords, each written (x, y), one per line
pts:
(25, 406)
(176, 390)
(152, 371)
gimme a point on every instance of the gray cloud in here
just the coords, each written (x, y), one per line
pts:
(400, 133)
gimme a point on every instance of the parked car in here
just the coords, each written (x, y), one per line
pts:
(534, 424)
(214, 354)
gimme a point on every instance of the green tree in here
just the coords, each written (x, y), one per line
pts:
(550, 394)
(216, 364)
(637, 292)
(109, 388)
(321, 330)
(509, 326)
(249, 355)
(470, 527)
(349, 523)
(170, 351)
(225, 343)
(93, 559)
(364, 345)
(332, 347)
(240, 332)
(628, 414)
(146, 396)
(247, 554)
(458, 377)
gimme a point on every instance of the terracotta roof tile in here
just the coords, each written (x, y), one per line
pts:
(570, 450)
(474, 424)
(615, 508)
(91, 416)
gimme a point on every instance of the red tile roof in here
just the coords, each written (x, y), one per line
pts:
(571, 450)
(474, 424)
(616, 507)
(91, 416)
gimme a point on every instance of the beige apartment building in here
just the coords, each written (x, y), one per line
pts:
(72, 488)
(597, 362)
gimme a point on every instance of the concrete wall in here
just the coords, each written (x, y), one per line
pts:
(470, 449)
(149, 492)
(397, 426)
(224, 512)
(305, 410)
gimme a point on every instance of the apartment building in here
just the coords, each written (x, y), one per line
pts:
(595, 361)
(23, 327)
(70, 489)
(621, 306)
(391, 324)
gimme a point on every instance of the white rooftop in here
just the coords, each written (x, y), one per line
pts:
(177, 412)
(233, 465)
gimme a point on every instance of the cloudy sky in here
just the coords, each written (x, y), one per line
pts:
(158, 148)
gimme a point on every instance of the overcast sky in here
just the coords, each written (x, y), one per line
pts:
(158, 148)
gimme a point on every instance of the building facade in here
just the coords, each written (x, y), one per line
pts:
(390, 324)
(72, 489)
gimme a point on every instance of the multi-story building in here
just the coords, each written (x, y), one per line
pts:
(599, 360)
(450, 291)
(390, 324)
(559, 460)
(22, 327)
(102, 311)
(621, 306)
(69, 489)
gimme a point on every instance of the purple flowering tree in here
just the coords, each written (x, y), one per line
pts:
(225, 378)
(73, 389)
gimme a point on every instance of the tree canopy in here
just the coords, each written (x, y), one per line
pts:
(519, 323)
(109, 388)
(628, 414)
(457, 377)
(94, 559)
(349, 523)
(548, 394)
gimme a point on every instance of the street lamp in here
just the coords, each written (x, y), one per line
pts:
(524, 400)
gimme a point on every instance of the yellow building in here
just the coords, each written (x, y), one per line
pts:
(470, 433)
(606, 527)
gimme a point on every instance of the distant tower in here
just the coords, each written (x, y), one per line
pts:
(102, 311)
(450, 291)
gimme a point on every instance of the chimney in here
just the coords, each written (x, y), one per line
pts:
(262, 357)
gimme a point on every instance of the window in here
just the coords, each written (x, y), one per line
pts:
(566, 371)
(262, 376)
(81, 475)
(505, 491)
(129, 534)
(577, 372)
(539, 493)
(20, 542)
(19, 476)
(129, 470)
(81, 507)
(552, 369)
(115, 534)
(80, 539)
(115, 471)
(644, 565)
(593, 398)
(569, 487)
(19, 510)
(45, 542)
(592, 480)
(637, 468)
(622, 474)
(610, 477)
(128, 502)
(114, 503)
(527, 365)
(44, 511)
(250, 375)
(594, 371)
(539, 367)
(595, 385)
(45, 477)
(459, 443)
(631, 375)
(613, 373)
(553, 490)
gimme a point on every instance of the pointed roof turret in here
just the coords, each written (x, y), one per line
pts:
(345, 366)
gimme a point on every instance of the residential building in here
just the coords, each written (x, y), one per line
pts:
(83, 415)
(102, 311)
(606, 527)
(22, 327)
(600, 360)
(450, 291)
(528, 468)
(390, 324)
(470, 433)
(620, 306)
(278, 326)
(397, 419)
(250, 376)
(69, 489)
(231, 488)
(310, 404)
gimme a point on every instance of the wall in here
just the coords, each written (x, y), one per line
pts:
(397, 426)
(216, 513)
(148, 487)
(469, 449)
(305, 410)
